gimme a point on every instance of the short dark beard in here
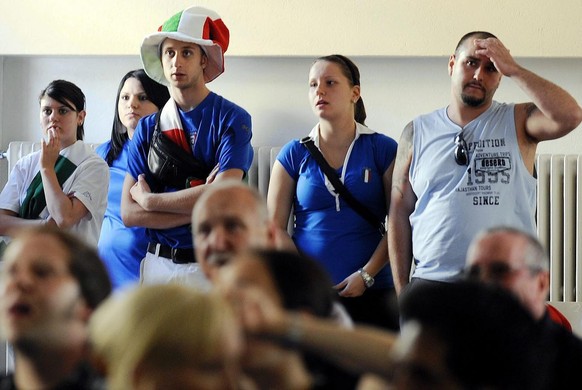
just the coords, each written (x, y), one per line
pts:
(472, 101)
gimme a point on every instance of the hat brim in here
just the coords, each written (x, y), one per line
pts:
(152, 63)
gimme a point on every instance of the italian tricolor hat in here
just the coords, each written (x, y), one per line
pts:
(195, 25)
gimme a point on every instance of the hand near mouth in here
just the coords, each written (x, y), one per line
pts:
(50, 149)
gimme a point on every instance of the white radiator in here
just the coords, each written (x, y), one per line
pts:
(258, 175)
(265, 157)
(559, 222)
(18, 149)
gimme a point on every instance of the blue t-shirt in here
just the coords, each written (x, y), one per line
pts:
(341, 240)
(219, 132)
(121, 248)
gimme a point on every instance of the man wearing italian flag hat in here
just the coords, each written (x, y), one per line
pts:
(185, 54)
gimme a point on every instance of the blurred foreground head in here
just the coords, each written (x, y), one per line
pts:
(167, 336)
(50, 284)
(467, 335)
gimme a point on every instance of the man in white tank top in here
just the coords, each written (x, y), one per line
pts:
(469, 166)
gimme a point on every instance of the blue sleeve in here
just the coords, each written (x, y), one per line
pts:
(103, 149)
(385, 151)
(290, 158)
(235, 150)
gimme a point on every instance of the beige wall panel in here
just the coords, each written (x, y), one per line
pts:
(533, 28)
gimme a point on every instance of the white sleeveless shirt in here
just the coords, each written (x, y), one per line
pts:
(455, 202)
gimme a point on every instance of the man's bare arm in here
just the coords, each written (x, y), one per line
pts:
(552, 113)
(402, 204)
(362, 349)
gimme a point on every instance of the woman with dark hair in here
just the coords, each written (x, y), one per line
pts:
(350, 246)
(63, 182)
(120, 247)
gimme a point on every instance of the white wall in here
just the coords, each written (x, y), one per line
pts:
(272, 89)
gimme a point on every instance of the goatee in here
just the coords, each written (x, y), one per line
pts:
(472, 101)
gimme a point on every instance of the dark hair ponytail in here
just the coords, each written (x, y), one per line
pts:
(360, 112)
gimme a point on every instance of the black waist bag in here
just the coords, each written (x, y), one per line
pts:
(170, 164)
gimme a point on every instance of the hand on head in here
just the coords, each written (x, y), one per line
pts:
(498, 54)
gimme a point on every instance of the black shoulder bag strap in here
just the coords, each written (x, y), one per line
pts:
(340, 187)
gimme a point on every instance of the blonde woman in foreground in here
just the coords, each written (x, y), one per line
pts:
(167, 336)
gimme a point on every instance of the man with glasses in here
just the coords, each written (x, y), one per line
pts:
(470, 165)
(517, 262)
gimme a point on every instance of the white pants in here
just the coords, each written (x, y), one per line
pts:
(160, 270)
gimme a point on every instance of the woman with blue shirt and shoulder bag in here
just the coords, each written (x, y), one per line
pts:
(337, 181)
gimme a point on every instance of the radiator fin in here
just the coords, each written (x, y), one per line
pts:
(558, 219)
